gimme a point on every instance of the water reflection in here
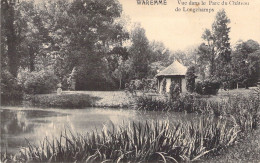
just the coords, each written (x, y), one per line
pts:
(34, 124)
(14, 123)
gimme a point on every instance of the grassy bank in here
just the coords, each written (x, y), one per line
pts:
(112, 99)
(61, 101)
(79, 99)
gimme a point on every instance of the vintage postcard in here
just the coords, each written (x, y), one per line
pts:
(130, 81)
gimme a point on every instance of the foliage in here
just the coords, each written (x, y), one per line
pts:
(144, 86)
(11, 91)
(182, 103)
(122, 72)
(187, 57)
(63, 34)
(207, 87)
(44, 81)
(158, 52)
(254, 67)
(175, 91)
(96, 78)
(245, 63)
(61, 101)
(10, 35)
(242, 111)
(150, 103)
(139, 52)
(190, 79)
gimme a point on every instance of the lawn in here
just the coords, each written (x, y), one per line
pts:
(76, 100)
(224, 95)
(106, 98)
(114, 99)
(121, 99)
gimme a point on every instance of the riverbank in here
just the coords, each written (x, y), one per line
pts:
(79, 99)
(112, 99)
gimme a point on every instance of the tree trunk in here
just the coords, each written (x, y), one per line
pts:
(120, 83)
(31, 59)
(13, 60)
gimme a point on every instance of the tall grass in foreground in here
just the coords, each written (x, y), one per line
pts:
(148, 142)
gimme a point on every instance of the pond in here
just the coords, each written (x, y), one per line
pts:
(19, 124)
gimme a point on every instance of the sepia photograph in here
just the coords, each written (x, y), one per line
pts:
(130, 81)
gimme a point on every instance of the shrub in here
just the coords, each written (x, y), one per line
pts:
(94, 78)
(144, 86)
(44, 81)
(149, 103)
(207, 87)
(183, 102)
(62, 101)
(190, 79)
(174, 91)
(198, 88)
(11, 91)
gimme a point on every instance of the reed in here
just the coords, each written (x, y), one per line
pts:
(244, 111)
(148, 142)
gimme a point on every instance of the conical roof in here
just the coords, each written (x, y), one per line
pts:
(176, 68)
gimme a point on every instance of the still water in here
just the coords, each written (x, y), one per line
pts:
(34, 124)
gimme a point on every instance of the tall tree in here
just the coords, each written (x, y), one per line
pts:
(159, 52)
(10, 35)
(140, 52)
(35, 35)
(216, 48)
(85, 35)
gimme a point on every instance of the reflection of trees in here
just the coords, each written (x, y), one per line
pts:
(14, 122)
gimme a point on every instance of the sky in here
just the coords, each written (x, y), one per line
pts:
(180, 30)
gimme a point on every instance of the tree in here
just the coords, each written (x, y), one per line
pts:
(247, 47)
(190, 79)
(245, 63)
(216, 48)
(35, 35)
(84, 34)
(10, 35)
(123, 71)
(187, 57)
(140, 52)
(158, 52)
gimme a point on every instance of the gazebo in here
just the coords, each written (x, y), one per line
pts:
(173, 73)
